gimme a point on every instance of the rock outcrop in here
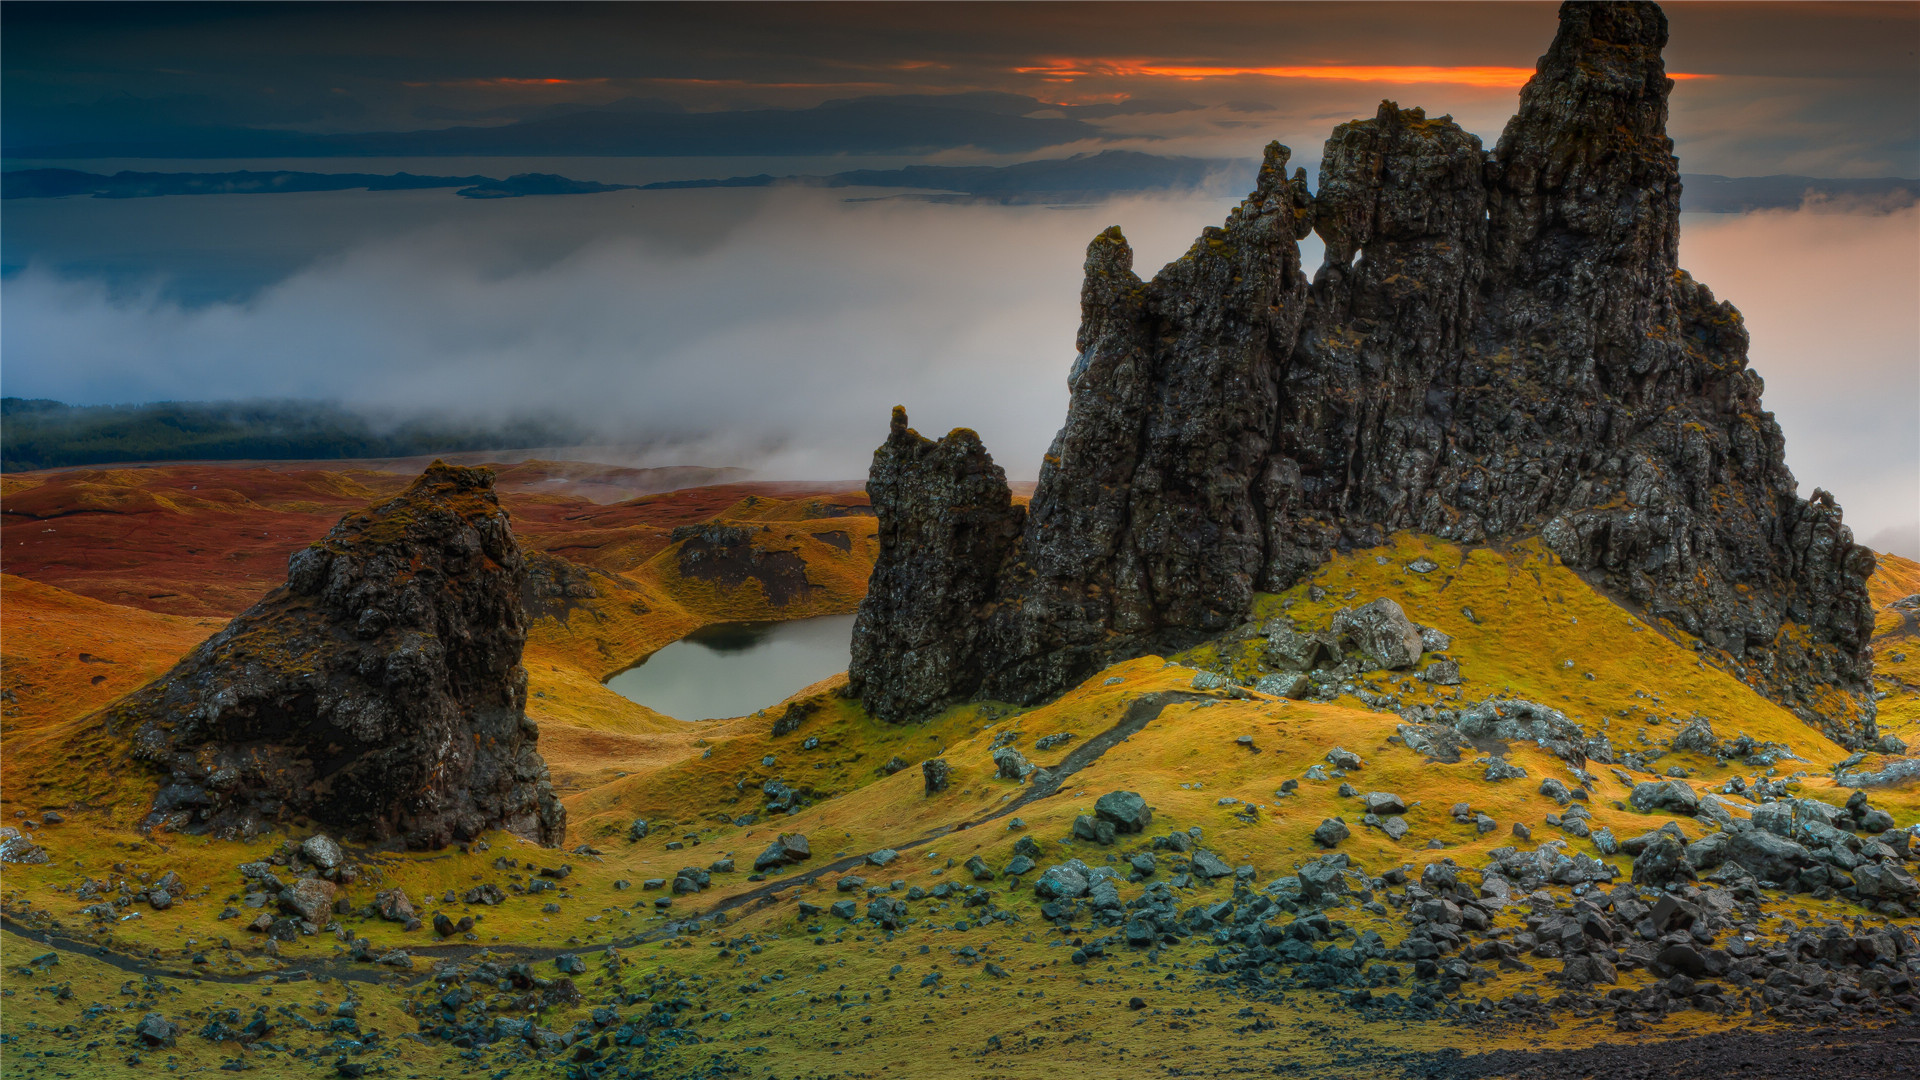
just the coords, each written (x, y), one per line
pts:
(379, 692)
(1499, 344)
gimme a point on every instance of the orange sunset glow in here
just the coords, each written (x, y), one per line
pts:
(1484, 76)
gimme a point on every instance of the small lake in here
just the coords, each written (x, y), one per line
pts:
(732, 669)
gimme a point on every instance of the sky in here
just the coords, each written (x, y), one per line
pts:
(1823, 89)
(775, 327)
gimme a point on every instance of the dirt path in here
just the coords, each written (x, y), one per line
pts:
(1139, 713)
(1829, 1054)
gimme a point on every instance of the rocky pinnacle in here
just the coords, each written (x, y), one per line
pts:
(1499, 344)
(378, 693)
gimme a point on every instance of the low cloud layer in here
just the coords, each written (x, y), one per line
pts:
(1828, 298)
(776, 328)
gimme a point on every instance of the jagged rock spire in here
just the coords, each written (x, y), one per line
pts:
(1498, 345)
(943, 543)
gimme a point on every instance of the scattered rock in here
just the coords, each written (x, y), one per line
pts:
(936, 773)
(1669, 795)
(16, 847)
(1011, 764)
(786, 850)
(1381, 632)
(1125, 809)
(156, 1030)
(1331, 832)
(309, 898)
(1381, 802)
(1209, 866)
(1501, 769)
(321, 850)
(1288, 684)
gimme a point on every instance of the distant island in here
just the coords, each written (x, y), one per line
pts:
(1080, 178)
(62, 183)
(42, 434)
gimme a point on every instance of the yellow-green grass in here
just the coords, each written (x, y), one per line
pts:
(1531, 616)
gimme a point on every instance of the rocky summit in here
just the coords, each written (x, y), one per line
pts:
(1500, 344)
(379, 692)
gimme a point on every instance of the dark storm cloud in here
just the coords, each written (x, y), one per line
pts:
(1824, 88)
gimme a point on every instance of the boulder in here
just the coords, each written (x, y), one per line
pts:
(309, 898)
(1285, 684)
(1322, 879)
(1331, 832)
(1884, 881)
(156, 1030)
(1381, 802)
(783, 851)
(1634, 845)
(1343, 759)
(1501, 769)
(1381, 632)
(936, 773)
(1669, 795)
(1011, 764)
(321, 850)
(1098, 830)
(1709, 851)
(1067, 881)
(1766, 856)
(1292, 651)
(379, 692)
(1127, 810)
(887, 912)
(1661, 863)
(393, 906)
(1209, 866)
(17, 847)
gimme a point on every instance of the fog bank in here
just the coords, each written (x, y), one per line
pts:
(776, 328)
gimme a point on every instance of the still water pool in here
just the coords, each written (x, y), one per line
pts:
(733, 669)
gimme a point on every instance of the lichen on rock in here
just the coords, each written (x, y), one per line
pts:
(379, 692)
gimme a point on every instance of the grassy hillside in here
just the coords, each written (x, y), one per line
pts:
(756, 974)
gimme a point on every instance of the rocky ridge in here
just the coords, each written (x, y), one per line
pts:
(1498, 344)
(379, 692)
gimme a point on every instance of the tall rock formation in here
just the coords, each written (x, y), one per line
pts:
(1497, 345)
(378, 693)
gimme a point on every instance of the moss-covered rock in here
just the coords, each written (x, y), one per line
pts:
(379, 691)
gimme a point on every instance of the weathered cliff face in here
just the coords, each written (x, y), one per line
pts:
(378, 693)
(1498, 345)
